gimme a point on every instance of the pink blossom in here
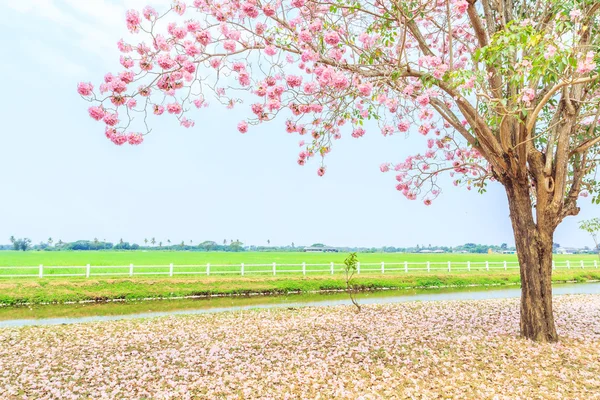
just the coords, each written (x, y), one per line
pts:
(423, 100)
(550, 52)
(111, 119)
(385, 167)
(260, 28)
(269, 10)
(85, 88)
(135, 139)
(117, 100)
(131, 103)
(96, 113)
(332, 38)
(293, 80)
(179, 7)
(250, 10)
(174, 108)
(124, 47)
(199, 102)
(119, 139)
(387, 130)
(321, 171)
(528, 95)
(229, 46)
(203, 37)
(358, 132)
(243, 127)
(215, 62)
(586, 65)
(427, 202)
(575, 15)
(365, 89)
(403, 126)
(270, 50)
(461, 6)
(133, 21)
(149, 13)
(165, 61)
(158, 109)
(187, 123)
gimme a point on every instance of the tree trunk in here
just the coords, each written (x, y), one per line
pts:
(533, 240)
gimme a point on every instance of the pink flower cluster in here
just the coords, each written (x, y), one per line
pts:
(587, 64)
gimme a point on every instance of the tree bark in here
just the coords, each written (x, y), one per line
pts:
(533, 240)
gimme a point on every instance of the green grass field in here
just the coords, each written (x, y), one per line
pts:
(16, 265)
(112, 258)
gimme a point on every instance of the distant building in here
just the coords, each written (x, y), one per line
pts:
(438, 251)
(324, 249)
(566, 250)
(509, 252)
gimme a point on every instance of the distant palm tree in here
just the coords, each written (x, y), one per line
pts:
(268, 241)
(121, 240)
(60, 242)
(146, 242)
(169, 241)
(224, 242)
(12, 239)
(292, 244)
(50, 241)
(182, 243)
(159, 244)
(153, 241)
(191, 241)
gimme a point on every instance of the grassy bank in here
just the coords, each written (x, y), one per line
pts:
(67, 290)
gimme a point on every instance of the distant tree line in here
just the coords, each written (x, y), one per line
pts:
(24, 244)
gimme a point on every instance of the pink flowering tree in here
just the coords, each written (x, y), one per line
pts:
(504, 91)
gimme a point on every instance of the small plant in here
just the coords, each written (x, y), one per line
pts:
(592, 226)
(350, 268)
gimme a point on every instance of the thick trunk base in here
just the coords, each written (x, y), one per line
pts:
(534, 250)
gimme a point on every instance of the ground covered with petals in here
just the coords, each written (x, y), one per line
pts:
(462, 349)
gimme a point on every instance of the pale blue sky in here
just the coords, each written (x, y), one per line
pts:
(62, 178)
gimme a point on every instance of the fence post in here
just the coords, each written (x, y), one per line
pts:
(207, 268)
(303, 268)
(358, 267)
(581, 263)
(130, 269)
(274, 269)
(487, 265)
(382, 267)
(428, 266)
(568, 264)
(468, 265)
(505, 265)
(332, 268)
(171, 269)
(449, 266)
(242, 269)
(405, 266)
(41, 270)
(87, 271)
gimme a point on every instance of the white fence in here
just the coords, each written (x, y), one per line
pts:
(274, 269)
